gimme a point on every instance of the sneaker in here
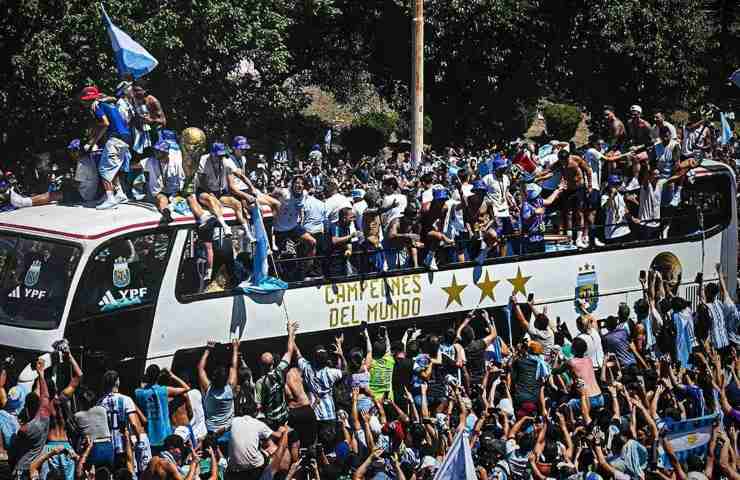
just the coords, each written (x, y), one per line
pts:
(598, 242)
(582, 242)
(207, 221)
(431, 262)
(16, 199)
(121, 197)
(108, 204)
(166, 216)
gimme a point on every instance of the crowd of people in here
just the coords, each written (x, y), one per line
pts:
(328, 215)
(601, 402)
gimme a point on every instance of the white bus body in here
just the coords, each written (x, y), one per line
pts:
(112, 324)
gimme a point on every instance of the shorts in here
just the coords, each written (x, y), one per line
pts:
(575, 199)
(102, 454)
(593, 200)
(282, 237)
(503, 226)
(71, 194)
(217, 194)
(303, 421)
(62, 464)
(116, 156)
(596, 402)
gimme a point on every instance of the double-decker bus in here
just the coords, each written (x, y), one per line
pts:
(129, 291)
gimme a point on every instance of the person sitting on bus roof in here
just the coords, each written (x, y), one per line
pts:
(433, 228)
(239, 186)
(479, 219)
(288, 215)
(165, 177)
(533, 216)
(342, 240)
(82, 188)
(212, 186)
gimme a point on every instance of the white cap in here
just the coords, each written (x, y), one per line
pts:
(636, 108)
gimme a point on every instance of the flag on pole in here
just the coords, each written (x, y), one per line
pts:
(261, 282)
(735, 77)
(458, 463)
(726, 130)
(131, 58)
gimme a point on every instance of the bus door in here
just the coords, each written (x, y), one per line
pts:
(113, 310)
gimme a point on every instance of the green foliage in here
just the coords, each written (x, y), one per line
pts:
(562, 120)
(369, 133)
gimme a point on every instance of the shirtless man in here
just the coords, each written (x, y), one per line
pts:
(480, 219)
(301, 417)
(167, 466)
(577, 175)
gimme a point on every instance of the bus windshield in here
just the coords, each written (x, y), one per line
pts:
(35, 277)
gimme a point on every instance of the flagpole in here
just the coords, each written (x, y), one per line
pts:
(417, 80)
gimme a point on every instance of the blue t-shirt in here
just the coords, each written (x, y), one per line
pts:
(117, 126)
(219, 407)
(533, 223)
(153, 402)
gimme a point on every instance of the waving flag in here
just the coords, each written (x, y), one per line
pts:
(688, 437)
(327, 137)
(131, 58)
(458, 463)
(726, 130)
(261, 282)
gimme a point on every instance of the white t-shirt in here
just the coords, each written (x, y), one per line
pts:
(168, 179)
(244, 447)
(594, 157)
(231, 166)
(498, 188)
(396, 212)
(86, 175)
(616, 215)
(112, 402)
(334, 204)
(547, 162)
(650, 203)
(593, 346)
(198, 422)
(289, 212)
(213, 173)
(359, 208)
(655, 131)
(457, 221)
(427, 196)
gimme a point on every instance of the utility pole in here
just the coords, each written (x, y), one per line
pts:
(417, 78)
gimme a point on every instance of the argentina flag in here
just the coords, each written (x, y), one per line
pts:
(458, 463)
(131, 58)
(688, 437)
(261, 282)
(726, 136)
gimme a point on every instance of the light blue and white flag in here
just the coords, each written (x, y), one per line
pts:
(688, 437)
(261, 282)
(735, 77)
(458, 463)
(131, 58)
(726, 136)
(327, 138)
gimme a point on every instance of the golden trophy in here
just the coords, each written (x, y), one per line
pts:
(193, 145)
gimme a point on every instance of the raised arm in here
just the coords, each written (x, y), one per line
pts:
(518, 313)
(181, 388)
(233, 371)
(76, 377)
(677, 468)
(203, 381)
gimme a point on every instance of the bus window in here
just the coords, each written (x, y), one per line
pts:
(35, 276)
(213, 263)
(709, 194)
(125, 272)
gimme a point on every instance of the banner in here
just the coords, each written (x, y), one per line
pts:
(688, 437)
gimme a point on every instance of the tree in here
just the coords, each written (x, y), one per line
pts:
(562, 120)
(369, 133)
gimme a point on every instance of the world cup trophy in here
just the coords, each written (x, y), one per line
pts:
(193, 145)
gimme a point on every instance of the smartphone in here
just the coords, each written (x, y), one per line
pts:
(530, 298)
(643, 275)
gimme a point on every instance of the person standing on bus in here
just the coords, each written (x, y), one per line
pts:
(116, 154)
(498, 183)
(651, 195)
(153, 398)
(533, 216)
(218, 394)
(165, 177)
(617, 132)
(616, 214)
(638, 129)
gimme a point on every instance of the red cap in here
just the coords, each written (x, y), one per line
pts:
(90, 93)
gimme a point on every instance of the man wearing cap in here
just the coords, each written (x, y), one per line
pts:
(83, 189)
(116, 154)
(639, 131)
(165, 177)
(212, 186)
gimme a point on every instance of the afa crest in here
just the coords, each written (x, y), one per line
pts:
(121, 273)
(33, 273)
(587, 288)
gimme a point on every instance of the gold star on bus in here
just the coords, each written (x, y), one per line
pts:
(519, 282)
(486, 288)
(454, 291)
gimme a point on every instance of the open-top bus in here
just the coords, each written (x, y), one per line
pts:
(127, 291)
